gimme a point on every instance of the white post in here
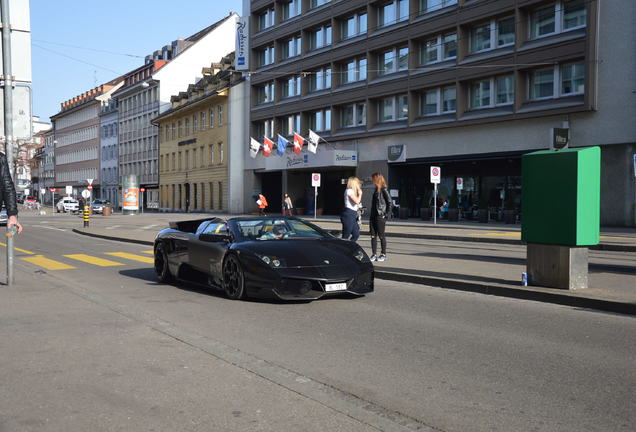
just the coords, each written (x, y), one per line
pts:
(315, 201)
(435, 204)
(53, 202)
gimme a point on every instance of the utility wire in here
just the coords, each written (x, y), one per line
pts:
(87, 48)
(76, 59)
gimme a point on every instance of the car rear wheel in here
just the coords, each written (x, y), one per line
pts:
(233, 279)
(161, 264)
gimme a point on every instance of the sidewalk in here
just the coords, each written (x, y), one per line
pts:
(469, 257)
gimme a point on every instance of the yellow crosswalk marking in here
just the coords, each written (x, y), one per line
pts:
(94, 260)
(18, 249)
(151, 252)
(132, 257)
(49, 264)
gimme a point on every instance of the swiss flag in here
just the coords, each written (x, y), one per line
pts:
(268, 145)
(298, 143)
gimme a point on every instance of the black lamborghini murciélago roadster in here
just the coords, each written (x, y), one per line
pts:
(262, 257)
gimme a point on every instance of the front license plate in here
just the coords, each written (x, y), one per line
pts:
(336, 287)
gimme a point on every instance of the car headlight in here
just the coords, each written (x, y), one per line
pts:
(273, 261)
(361, 256)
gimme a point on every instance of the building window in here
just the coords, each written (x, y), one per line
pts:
(394, 60)
(317, 3)
(187, 127)
(211, 154)
(220, 145)
(290, 124)
(291, 86)
(320, 37)
(440, 48)
(438, 101)
(266, 19)
(202, 116)
(572, 79)
(265, 93)
(320, 80)
(180, 130)
(565, 80)
(494, 34)
(291, 47)
(492, 92)
(354, 26)
(320, 120)
(353, 115)
(211, 118)
(431, 5)
(266, 56)
(558, 17)
(195, 123)
(393, 12)
(354, 70)
(541, 84)
(265, 129)
(393, 108)
(220, 111)
(290, 9)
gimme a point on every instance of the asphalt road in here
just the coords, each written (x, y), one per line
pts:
(108, 348)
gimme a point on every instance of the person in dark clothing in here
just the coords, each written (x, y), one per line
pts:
(381, 208)
(7, 194)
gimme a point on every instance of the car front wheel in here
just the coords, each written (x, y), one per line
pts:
(233, 279)
(161, 264)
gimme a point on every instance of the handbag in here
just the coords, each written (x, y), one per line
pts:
(259, 202)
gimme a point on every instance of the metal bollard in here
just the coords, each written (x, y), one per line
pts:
(86, 217)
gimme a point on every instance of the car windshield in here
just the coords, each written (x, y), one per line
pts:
(276, 229)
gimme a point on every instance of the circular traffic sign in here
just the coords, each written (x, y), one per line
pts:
(52, 189)
(435, 172)
(86, 193)
(143, 189)
(90, 187)
(316, 177)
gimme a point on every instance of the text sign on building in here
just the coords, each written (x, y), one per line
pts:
(560, 138)
(460, 183)
(315, 180)
(436, 174)
(324, 158)
(242, 60)
(396, 153)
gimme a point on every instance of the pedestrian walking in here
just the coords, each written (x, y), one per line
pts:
(352, 199)
(261, 201)
(381, 208)
(287, 206)
(8, 196)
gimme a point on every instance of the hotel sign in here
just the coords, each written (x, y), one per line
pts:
(242, 59)
(323, 158)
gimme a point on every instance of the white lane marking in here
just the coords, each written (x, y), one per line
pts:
(113, 227)
(148, 227)
(49, 227)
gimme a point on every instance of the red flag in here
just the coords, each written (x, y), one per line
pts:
(268, 145)
(298, 143)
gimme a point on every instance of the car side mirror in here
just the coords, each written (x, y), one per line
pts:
(215, 238)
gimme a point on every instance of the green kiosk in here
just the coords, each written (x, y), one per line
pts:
(561, 214)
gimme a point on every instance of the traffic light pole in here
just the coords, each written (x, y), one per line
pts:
(7, 80)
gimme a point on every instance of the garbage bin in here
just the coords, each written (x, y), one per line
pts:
(106, 210)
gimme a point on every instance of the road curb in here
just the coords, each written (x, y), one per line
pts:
(120, 239)
(523, 294)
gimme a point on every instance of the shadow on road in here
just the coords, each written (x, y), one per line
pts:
(446, 275)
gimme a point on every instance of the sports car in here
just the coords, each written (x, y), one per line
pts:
(283, 258)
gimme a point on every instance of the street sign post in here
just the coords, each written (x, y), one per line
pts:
(436, 178)
(315, 182)
(141, 199)
(52, 198)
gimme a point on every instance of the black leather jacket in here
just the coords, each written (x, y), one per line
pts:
(7, 192)
(381, 204)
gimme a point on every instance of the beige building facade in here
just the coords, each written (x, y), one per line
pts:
(193, 145)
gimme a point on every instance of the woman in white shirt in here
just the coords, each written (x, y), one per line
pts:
(352, 199)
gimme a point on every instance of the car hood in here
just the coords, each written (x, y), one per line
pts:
(306, 252)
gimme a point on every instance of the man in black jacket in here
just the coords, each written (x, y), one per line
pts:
(7, 194)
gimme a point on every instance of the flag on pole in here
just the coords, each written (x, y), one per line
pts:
(268, 145)
(255, 146)
(298, 143)
(312, 145)
(281, 146)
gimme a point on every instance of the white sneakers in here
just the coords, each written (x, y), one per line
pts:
(382, 257)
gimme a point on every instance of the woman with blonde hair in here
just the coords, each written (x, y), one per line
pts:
(352, 199)
(381, 207)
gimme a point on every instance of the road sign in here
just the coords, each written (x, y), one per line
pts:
(90, 187)
(460, 183)
(315, 179)
(143, 189)
(436, 174)
(42, 191)
(27, 192)
(52, 190)
(560, 138)
(69, 190)
(89, 181)
(86, 193)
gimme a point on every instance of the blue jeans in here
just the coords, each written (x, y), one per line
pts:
(350, 228)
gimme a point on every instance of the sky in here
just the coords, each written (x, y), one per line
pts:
(80, 44)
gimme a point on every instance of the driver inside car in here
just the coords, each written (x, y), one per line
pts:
(277, 232)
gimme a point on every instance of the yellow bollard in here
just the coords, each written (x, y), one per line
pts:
(86, 216)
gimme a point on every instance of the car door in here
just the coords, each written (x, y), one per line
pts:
(208, 248)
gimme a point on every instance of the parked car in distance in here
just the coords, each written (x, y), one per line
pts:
(99, 204)
(67, 204)
(3, 216)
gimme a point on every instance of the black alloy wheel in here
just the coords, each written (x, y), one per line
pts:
(161, 264)
(233, 280)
